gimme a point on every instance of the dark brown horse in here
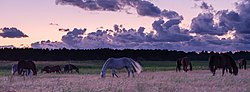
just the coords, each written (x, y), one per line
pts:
(50, 69)
(242, 64)
(24, 65)
(185, 63)
(69, 68)
(223, 61)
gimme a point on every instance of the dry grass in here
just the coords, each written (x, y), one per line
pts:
(164, 81)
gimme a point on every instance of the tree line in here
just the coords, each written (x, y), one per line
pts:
(14, 54)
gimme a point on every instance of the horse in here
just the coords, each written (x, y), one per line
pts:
(25, 65)
(119, 63)
(184, 62)
(242, 64)
(50, 69)
(223, 61)
(69, 68)
(24, 71)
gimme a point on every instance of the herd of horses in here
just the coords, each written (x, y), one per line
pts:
(27, 67)
(224, 61)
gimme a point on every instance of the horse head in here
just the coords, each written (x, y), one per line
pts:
(103, 73)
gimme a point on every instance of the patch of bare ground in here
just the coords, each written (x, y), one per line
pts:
(162, 81)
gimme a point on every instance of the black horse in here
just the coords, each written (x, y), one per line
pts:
(242, 64)
(223, 61)
(69, 68)
(184, 62)
(25, 65)
(50, 69)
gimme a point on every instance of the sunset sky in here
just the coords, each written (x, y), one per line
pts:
(188, 25)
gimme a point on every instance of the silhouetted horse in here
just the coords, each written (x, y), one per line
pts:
(119, 63)
(24, 71)
(184, 62)
(223, 61)
(50, 69)
(24, 65)
(69, 68)
(242, 64)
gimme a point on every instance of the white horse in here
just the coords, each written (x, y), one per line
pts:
(119, 63)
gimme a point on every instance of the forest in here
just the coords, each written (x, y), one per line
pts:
(14, 54)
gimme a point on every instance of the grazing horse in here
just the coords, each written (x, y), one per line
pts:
(50, 69)
(69, 68)
(242, 64)
(223, 61)
(24, 72)
(119, 63)
(184, 62)
(24, 65)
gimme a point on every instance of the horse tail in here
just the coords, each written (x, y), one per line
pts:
(136, 66)
(190, 65)
(13, 69)
(211, 64)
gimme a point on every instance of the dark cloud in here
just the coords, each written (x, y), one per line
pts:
(53, 24)
(143, 8)
(74, 37)
(12, 33)
(206, 6)
(204, 24)
(49, 44)
(170, 31)
(7, 46)
(63, 30)
(171, 14)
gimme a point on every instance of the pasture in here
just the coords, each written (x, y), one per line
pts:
(157, 76)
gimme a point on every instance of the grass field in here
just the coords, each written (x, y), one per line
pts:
(157, 76)
(94, 67)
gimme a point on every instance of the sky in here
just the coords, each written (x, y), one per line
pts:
(186, 25)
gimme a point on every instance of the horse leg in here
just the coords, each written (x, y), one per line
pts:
(245, 66)
(178, 68)
(128, 71)
(230, 70)
(185, 68)
(223, 70)
(114, 73)
(214, 71)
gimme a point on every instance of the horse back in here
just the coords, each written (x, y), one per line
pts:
(216, 60)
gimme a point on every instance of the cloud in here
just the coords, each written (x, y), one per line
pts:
(7, 46)
(49, 44)
(208, 28)
(204, 24)
(206, 7)
(143, 8)
(53, 24)
(12, 33)
(63, 30)
(170, 31)
(73, 37)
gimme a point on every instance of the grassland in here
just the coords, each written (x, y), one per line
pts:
(158, 76)
(94, 66)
